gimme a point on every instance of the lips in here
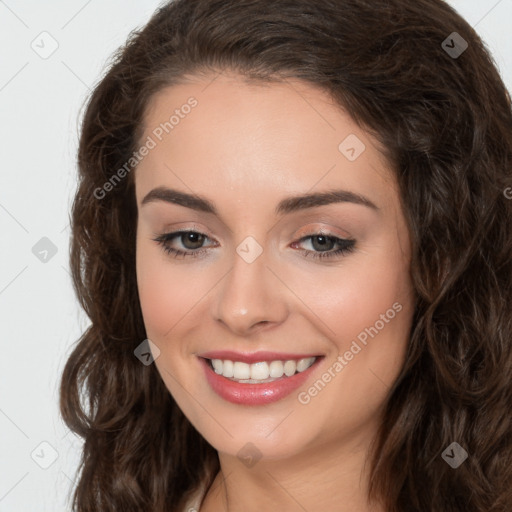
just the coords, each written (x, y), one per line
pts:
(244, 393)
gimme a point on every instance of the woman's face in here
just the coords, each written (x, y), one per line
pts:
(275, 268)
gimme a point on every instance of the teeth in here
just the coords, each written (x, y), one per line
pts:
(227, 368)
(289, 368)
(303, 364)
(260, 372)
(217, 366)
(276, 369)
(241, 370)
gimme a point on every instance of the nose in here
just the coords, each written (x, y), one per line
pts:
(250, 297)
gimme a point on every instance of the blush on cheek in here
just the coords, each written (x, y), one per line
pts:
(158, 301)
(163, 305)
(360, 317)
(167, 295)
(354, 305)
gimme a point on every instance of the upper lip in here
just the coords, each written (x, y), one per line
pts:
(253, 357)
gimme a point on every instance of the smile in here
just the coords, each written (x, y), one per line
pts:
(261, 371)
(260, 378)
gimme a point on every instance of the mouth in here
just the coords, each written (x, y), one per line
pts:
(256, 379)
(261, 371)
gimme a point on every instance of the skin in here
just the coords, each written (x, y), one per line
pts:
(245, 147)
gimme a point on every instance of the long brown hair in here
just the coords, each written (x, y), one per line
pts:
(444, 117)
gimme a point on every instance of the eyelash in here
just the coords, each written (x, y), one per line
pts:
(347, 245)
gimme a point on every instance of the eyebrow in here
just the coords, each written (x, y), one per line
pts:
(285, 206)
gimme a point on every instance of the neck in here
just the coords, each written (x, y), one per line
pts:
(324, 478)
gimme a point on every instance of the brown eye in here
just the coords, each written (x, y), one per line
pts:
(324, 246)
(323, 243)
(189, 243)
(192, 240)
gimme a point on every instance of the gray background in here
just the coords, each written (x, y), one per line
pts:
(40, 104)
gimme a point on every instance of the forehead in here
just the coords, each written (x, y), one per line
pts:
(264, 137)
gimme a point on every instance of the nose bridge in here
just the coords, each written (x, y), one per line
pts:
(250, 295)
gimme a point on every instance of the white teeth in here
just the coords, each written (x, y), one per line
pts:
(217, 366)
(241, 370)
(262, 371)
(276, 369)
(289, 368)
(303, 364)
(227, 368)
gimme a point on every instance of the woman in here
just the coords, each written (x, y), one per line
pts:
(293, 237)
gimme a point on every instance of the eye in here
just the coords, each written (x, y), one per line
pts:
(323, 246)
(190, 240)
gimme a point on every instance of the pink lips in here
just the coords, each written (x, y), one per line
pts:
(254, 394)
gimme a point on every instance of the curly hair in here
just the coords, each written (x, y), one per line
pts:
(445, 121)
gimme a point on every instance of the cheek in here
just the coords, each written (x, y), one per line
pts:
(365, 298)
(172, 293)
(365, 309)
(372, 346)
(372, 318)
(164, 296)
(352, 297)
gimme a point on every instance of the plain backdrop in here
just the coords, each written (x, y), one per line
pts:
(41, 97)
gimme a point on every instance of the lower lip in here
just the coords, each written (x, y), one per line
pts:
(255, 394)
